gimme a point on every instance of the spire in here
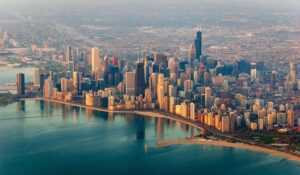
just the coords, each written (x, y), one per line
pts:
(139, 55)
(199, 28)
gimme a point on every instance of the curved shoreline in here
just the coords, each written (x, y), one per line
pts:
(143, 113)
(221, 143)
(185, 141)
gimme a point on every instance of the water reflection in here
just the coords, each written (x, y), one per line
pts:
(89, 113)
(41, 105)
(139, 123)
(98, 114)
(159, 124)
(30, 146)
(21, 106)
(136, 124)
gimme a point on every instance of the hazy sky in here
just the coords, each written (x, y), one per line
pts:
(90, 7)
(292, 3)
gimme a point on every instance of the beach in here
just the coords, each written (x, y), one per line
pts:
(221, 143)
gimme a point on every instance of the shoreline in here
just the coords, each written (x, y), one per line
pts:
(220, 143)
(143, 113)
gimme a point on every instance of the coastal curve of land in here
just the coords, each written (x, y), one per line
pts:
(195, 140)
(221, 143)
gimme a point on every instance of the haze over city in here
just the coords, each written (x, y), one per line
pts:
(150, 87)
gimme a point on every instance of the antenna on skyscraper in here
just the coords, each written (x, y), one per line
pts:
(199, 28)
(139, 55)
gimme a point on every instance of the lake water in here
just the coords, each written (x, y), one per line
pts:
(47, 138)
(8, 75)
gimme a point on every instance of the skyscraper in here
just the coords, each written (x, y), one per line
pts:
(160, 90)
(291, 118)
(95, 59)
(207, 96)
(130, 83)
(225, 124)
(71, 66)
(273, 78)
(198, 45)
(69, 54)
(139, 79)
(253, 72)
(36, 77)
(43, 77)
(191, 54)
(76, 82)
(21, 84)
(48, 88)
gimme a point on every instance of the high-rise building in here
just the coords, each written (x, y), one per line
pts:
(115, 60)
(66, 84)
(21, 84)
(172, 104)
(253, 72)
(198, 45)
(193, 110)
(130, 83)
(291, 118)
(76, 82)
(48, 88)
(292, 72)
(69, 54)
(185, 109)
(273, 78)
(207, 96)
(36, 77)
(139, 80)
(71, 66)
(148, 95)
(153, 81)
(160, 89)
(192, 55)
(161, 60)
(225, 124)
(43, 77)
(188, 85)
(172, 91)
(95, 59)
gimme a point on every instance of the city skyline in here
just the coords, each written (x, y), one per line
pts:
(137, 87)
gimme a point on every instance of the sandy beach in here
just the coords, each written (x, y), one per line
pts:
(228, 144)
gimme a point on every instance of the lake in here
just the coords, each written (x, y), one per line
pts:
(46, 138)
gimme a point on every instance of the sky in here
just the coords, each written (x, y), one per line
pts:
(32, 5)
(291, 3)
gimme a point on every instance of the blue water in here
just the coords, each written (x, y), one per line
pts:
(46, 138)
(8, 75)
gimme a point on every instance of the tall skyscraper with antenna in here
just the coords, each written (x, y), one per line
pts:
(198, 44)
